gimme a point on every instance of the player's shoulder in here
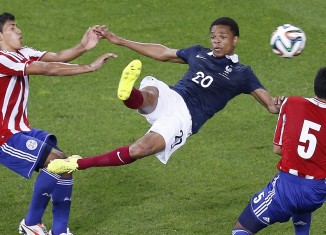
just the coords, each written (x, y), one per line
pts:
(296, 101)
(245, 70)
(32, 53)
(241, 67)
(237, 65)
(197, 49)
(27, 49)
(2, 54)
(11, 53)
(192, 52)
(202, 48)
(6, 56)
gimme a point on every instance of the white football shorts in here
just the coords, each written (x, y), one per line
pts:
(171, 118)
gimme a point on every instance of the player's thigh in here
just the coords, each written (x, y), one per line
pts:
(149, 144)
(268, 206)
(54, 154)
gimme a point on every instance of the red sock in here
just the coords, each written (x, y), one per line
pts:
(117, 157)
(135, 99)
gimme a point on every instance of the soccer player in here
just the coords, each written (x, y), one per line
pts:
(24, 149)
(300, 186)
(215, 76)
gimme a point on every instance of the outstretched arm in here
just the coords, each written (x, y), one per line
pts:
(89, 41)
(273, 105)
(155, 51)
(64, 69)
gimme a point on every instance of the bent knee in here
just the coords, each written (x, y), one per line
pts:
(140, 150)
(150, 95)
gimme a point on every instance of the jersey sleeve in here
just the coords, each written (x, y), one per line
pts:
(11, 67)
(32, 53)
(14, 64)
(185, 53)
(251, 81)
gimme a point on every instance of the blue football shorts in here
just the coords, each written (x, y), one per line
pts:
(171, 118)
(26, 152)
(284, 196)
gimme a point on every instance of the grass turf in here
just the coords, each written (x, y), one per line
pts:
(208, 182)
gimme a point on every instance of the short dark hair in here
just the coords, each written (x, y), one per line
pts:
(228, 22)
(320, 83)
(4, 17)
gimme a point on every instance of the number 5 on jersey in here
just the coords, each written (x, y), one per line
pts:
(305, 137)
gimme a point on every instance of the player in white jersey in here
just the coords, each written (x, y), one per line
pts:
(24, 149)
(300, 186)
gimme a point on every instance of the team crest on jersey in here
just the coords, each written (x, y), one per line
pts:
(31, 144)
(226, 72)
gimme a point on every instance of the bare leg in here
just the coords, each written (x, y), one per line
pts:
(150, 95)
(147, 145)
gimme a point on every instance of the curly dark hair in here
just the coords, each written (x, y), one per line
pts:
(228, 22)
(320, 83)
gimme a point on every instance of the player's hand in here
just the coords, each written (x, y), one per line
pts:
(90, 38)
(278, 100)
(104, 32)
(101, 60)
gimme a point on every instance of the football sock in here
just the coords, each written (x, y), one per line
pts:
(117, 157)
(301, 223)
(239, 231)
(43, 187)
(135, 99)
(61, 201)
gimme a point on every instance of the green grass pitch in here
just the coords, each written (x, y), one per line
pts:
(208, 182)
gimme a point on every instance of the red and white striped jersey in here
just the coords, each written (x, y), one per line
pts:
(301, 131)
(14, 90)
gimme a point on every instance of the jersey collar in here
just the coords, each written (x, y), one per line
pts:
(317, 102)
(234, 58)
